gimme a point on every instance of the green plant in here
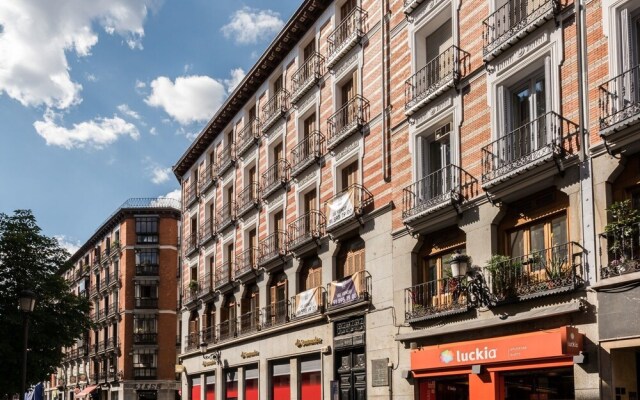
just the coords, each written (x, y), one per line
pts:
(621, 229)
(504, 275)
(193, 285)
(555, 268)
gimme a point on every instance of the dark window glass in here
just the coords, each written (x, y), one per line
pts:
(147, 229)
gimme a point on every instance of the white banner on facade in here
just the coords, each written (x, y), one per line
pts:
(307, 302)
(341, 207)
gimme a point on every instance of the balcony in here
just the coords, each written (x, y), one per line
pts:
(206, 285)
(350, 118)
(208, 178)
(275, 177)
(306, 152)
(147, 269)
(435, 299)
(112, 310)
(190, 244)
(190, 294)
(146, 302)
(113, 279)
(223, 274)
(439, 75)
(346, 35)
(544, 272)
(145, 338)
(512, 22)
(306, 76)
(226, 215)
(308, 303)
(274, 109)
(247, 136)
(111, 344)
(208, 335)
(226, 158)
(310, 226)
(144, 373)
(349, 291)
(95, 289)
(249, 323)
(620, 252)
(246, 263)
(528, 147)
(227, 329)
(620, 102)
(275, 314)
(190, 195)
(100, 347)
(347, 205)
(248, 198)
(207, 231)
(273, 247)
(442, 188)
(191, 341)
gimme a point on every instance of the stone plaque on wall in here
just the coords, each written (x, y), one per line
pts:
(379, 372)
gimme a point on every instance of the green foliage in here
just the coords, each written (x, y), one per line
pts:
(504, 275)
(622, 227)
(33, 261)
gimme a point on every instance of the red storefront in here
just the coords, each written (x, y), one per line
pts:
(536, 365)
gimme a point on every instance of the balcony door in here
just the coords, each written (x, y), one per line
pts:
(278, 226)
(347, 8)
(229, 199)
(349, 108)
(253, 245)
(311, 274)
(310, 205)
(349, 175)
(438, 62)
(249, 308)
(278, 299)
(350, 258)
(253, 178)
(309, 127)
(436, 157)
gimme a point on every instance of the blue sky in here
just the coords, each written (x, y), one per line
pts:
(99, 99)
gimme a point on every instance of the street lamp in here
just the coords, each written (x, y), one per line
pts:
(26, 304)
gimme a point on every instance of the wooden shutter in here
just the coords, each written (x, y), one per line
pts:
(309, 49)
(309, 125)
(310, 201)
(278, 220)
(346, 8)
(277, 85)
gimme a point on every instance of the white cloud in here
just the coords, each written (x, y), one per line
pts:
(188, 99)
(158, 173)
(126, 110)
(71, 245)
(140, 84)
(175, 194)
(187, 68)
(153, 131)
(38, 36)
(91, 78)
(250, 25)
(96, 133)
(237, 74)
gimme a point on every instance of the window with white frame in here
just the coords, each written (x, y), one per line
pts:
(434, 147)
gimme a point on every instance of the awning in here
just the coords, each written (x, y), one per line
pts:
(86, 391)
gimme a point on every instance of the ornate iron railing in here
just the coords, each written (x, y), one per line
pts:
(227, 329)
(190, 293)
(449, 184)
(248, 135)
(276, 176)
(346, 33)
(145, 338)
(114, 278)
(191, 341)
(349, 290)
(440, 72)
(307, 151)
(208, 177)
(206, 284)
(308, 74)
(190, 194)
(208, 335)
(207, 230)
(347, 204)
(274, 245)
(226, 157)
(223, 274)
(147, 269)
(546, 136)
(113, 309)
(620, 251)
(435, 298)
(540, 273)
(347, 120)
(506, 23)
(226, 215)
(619, 98)
(275, 108)
(248, 197)
(249, 322)
(276, 313)
(190, 243)
(307, 227)
(302, 308)
(247, 261)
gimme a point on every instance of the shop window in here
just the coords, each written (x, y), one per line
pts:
(231, 385)
(350, 258)
(210, 389)
(311, 379)
(446, 388)
(195, 388)
(554, 384)
(251, 375)
(280, 381)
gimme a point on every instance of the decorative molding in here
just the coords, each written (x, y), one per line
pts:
(425, 9)
(313, 174)
(520, 53)
(346, 63)
(346, 150)
(279, 130)
(430, 112)
(306, 100)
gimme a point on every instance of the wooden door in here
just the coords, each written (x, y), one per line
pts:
(309, 50)
(277, 156)
(277, 85)
(311, 221)
(347, 8)
(253, 178)
(311, 274)
(349, 175)
(253, 245)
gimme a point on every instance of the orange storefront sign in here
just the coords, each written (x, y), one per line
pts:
(560, 342)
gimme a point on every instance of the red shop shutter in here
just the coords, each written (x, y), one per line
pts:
(251, 389)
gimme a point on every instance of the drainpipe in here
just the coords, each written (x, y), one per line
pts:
(386, 136)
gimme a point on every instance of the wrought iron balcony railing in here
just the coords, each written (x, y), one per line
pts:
(111, 343)
(306, 76)
(227, 329)
(147, 269)
(308, 303)
(146, 302)
(113, 309)
(435, 299)
(620, 251)
(309, 226)
(191, 341)
(226, 215)
(348, 119)
(247, 136)
(346, 205)
(190, 293)
(248, 198)
(273, 246)
(206, 284)
(346, 35)
(247, 261)
(191, 243)
(223, 274)
(208, 177)
(274, 109)
(249, 322)
(114, 278)
(190, 194)
(540, 273)
(144, 373)
(440, 74)
(226, 157)
(145, 338)
(307, 151)
(208, 335)
(359, 290)
(547, 136)
(442, 187)
(513, 21)
(619, 100)
(207, 230)
(276, 313)
(275, 177)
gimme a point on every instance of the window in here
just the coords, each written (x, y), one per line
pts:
(538, 236)
(145, 363)
(146, 294)
(435, 151)
(147, 257)
(147, 230)
(145, 323)
(311, 274)
(350, 258)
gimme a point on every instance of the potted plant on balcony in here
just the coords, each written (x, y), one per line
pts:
(504, 275)
(193, 285)
(621, 232)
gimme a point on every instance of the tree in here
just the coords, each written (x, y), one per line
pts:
(33, 261)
